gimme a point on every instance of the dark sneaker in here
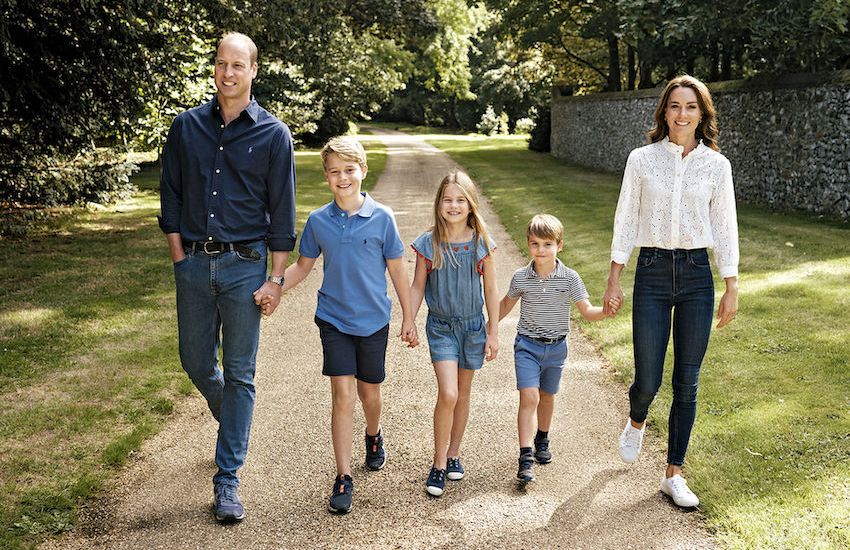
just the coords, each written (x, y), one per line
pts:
(526, 468)
(541, 450)
(376, 457)
(454, 469)
(436, 483)
(228, 507)
(340, 502)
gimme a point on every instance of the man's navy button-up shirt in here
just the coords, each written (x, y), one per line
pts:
(229, 183)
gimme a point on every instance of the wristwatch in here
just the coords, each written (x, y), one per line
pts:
(276, 279)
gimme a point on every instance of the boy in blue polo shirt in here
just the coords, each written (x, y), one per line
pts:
(359, 240)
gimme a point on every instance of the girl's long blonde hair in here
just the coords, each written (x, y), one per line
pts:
(439, 233)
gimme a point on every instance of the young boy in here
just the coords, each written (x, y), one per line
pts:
(359, 240)
(546, 287)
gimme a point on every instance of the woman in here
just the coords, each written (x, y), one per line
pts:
(676, 200)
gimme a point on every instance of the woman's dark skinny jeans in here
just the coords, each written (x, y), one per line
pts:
(672, 287)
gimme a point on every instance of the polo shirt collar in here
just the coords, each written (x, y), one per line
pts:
(366, 209)
(559, 272)
(253, 108)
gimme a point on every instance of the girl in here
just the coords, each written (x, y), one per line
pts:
(453, 261)
(677, 199)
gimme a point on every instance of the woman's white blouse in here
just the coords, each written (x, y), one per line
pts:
(667, 201)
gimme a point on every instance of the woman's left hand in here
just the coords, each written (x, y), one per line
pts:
(728, 307)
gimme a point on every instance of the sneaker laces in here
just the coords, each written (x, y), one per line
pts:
(680, 486)
(633, 436)
(227, 493)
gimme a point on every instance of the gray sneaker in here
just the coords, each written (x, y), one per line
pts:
(525, 473)
(228, 507)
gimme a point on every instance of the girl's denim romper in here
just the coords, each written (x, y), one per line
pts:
(454, 293)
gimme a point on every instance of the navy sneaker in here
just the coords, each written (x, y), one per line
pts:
(526, 468)
(340, 502)
(376, 457)
(436, 483)
(228, 507)
(542, 454)
(454, 469)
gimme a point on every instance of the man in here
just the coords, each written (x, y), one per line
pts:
(228, 196)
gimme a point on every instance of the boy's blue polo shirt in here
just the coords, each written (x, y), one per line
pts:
(353, 297)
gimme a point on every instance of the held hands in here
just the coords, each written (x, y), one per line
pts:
(267, 297)
(612, 300)
(408, 334)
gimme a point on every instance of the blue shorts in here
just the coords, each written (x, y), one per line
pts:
(539, 365)
(457, 339)
(346, 354)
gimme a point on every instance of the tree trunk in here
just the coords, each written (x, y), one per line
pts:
(726, 61)
(613, 64)
(645, 66)
(714, 60)
(632, 71)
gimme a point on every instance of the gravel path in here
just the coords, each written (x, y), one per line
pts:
(586, 498)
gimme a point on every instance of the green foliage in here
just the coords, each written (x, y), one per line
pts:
(491, 123)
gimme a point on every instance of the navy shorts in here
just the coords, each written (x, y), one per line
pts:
(344, 354)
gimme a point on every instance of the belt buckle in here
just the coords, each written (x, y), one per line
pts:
(210, 252)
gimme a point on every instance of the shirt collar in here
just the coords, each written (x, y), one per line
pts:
(678, 149)
(365, 211)
(560, 270)
(253, 108)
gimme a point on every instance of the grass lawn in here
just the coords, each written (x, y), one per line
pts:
(770, 453)
(89, 364)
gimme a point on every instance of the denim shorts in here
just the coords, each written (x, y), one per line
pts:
(539, 365)
(457, 339)
(364, 357)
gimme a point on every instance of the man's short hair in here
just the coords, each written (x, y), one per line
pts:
(348, 148)
(252, 48)
(545, 226)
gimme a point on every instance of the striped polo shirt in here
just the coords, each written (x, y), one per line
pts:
(545, 303)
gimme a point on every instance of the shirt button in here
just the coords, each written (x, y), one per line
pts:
(222, 125)
(221, 148)
(209, 238)
(217, 171)
(212, 215)
(215, 192)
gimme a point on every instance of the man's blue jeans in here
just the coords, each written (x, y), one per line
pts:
(215, 305)
(671, 287)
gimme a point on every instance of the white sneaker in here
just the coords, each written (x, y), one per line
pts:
(630, 442)
(677, 488)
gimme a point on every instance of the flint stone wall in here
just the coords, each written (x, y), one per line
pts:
(788, 138)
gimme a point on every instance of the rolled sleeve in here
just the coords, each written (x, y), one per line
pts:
(281, 185)
(170, 182)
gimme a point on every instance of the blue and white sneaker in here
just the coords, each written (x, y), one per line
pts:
(454, 469)
(436, 483)
(228, 507)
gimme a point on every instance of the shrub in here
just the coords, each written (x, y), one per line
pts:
(524, 126)
(491, 123)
